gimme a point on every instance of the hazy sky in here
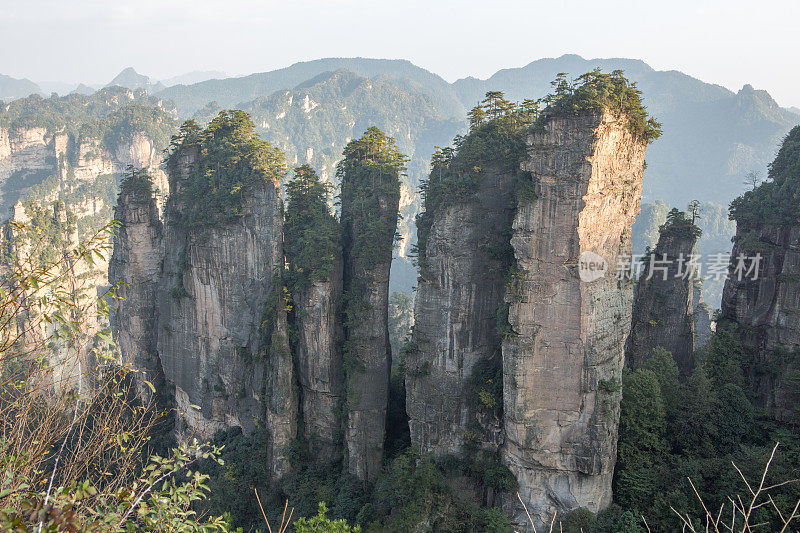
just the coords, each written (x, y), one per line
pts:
(727, 42)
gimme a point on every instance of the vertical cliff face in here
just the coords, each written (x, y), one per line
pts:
(319, 363)
(664, 307)
(314, 278)
(703, 325)
(762, 291)
(460, 289)
(217, 283)
(135, 269)
(370, 203)
(562, 366)
(766, 307)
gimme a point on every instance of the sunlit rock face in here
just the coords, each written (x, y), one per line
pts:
(562, 367)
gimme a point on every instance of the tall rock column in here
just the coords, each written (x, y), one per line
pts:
(562, 366)
(222, 327)
(664, 307)
(461, 288)
(314, 257)
(134, 269)
(762, 292)
(370, 197)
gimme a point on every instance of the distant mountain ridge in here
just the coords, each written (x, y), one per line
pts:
(230, 91)
(130, 79)
(13, 88)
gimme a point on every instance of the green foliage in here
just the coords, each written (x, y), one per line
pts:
(230, 162)
(595, 92)
(486, 380)
(311, 231)
(495, 143)
(679, 225)
(370, 182)
(777, 200)
(160, 500)
(579, 521)
(725, 355)
(642, 424)
(708, 422)
(136, 183)
(322, 524)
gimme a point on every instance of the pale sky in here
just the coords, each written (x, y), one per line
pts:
(726, 42)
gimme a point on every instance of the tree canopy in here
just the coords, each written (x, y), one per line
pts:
(776, 200)
(311, 232)
(231, 159)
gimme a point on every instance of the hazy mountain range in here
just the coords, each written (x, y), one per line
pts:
(13, 88)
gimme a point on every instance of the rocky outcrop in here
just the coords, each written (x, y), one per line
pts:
(765, 304)
(219, 283)
(664, 307)
(460, 289)
(370, 205)
(318, 359)
(562, 364)
(134, 271)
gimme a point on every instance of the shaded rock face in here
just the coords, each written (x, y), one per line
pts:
(663, 310)
(766, 309)
(316, 316)
(562, 369)
(368, 352)
(135, 268)
(703, 325)
(225, 369)
(459, 292)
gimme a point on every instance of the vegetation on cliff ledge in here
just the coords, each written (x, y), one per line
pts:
(136, 183)
(229, 160)
(311, 231)
(595, 92)
(679, 225)
(497, 138)
(776, 201)
(495, 142)
(370, 181)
